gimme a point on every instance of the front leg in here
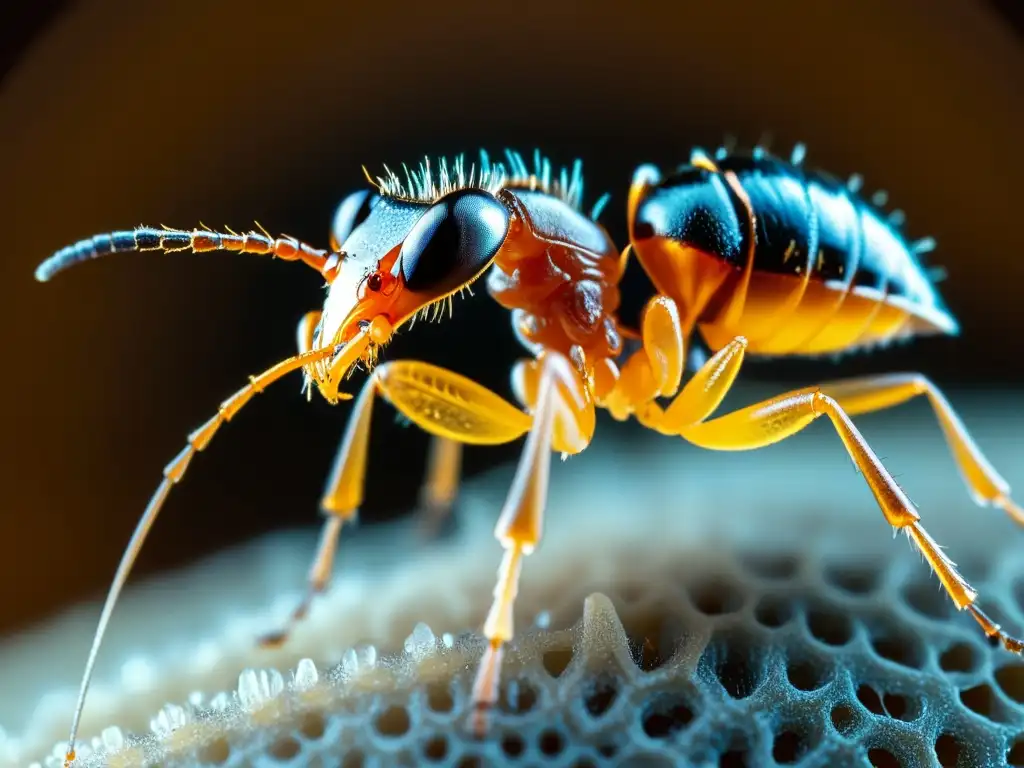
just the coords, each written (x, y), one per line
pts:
(784, 416)
(560, 394)
(340, 503)
(445, 404)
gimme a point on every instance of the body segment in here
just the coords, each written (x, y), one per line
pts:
(756, 255)
(828, 274)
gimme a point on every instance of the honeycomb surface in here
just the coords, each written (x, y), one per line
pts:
(651, 632)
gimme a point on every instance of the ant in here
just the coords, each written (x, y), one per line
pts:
(754, 254)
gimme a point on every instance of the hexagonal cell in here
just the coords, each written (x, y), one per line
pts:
(858, 578)
(948, 750)
(927, 600)
(960, 657)
(771, 566)
(738, 667)
(601, 695)
(879, 757)
(1010, 678)
(713, 598)
(844, 719)
(665, 715)
(393, 722)
(773, 611)
(791, 745)
(806, 673)
(830, 625)
(983, 700)
(900, 647)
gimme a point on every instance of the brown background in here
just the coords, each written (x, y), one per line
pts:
(119, 112)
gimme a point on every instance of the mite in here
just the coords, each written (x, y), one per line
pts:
(746, 254)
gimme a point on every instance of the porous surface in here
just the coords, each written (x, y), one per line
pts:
(652, 632)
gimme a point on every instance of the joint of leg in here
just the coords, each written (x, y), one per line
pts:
(995, 632)
(822, 404)
(234, 404)
(345, 513)
(922, 383)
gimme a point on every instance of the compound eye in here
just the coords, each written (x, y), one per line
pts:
(453, 242)
(350, 214)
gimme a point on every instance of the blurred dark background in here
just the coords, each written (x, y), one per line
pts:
(117, 113)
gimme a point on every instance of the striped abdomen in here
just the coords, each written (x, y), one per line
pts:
(828, 272)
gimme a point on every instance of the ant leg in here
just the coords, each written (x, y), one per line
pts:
(521, 523)
(319, 577)
(783, 416)
(441, 486)
(446, 404)
(656, 369)
(340, 503)
(173, 473)
(703, 393)
(875, 393)
(431, 397)
(699, 398)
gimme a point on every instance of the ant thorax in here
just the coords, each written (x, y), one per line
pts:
(558, 271)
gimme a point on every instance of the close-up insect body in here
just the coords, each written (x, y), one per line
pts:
(748, 253)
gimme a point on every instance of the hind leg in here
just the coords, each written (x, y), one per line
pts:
(876, 393)
(441, 486)
(784, 416)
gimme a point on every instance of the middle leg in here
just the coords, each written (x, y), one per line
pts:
(560, 398)
(431, 397)
(441, 486)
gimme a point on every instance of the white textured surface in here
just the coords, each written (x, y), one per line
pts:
(620, 511)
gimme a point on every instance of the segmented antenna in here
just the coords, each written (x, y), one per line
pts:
(171, 240)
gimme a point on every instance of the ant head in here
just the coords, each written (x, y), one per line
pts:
(397, 257)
